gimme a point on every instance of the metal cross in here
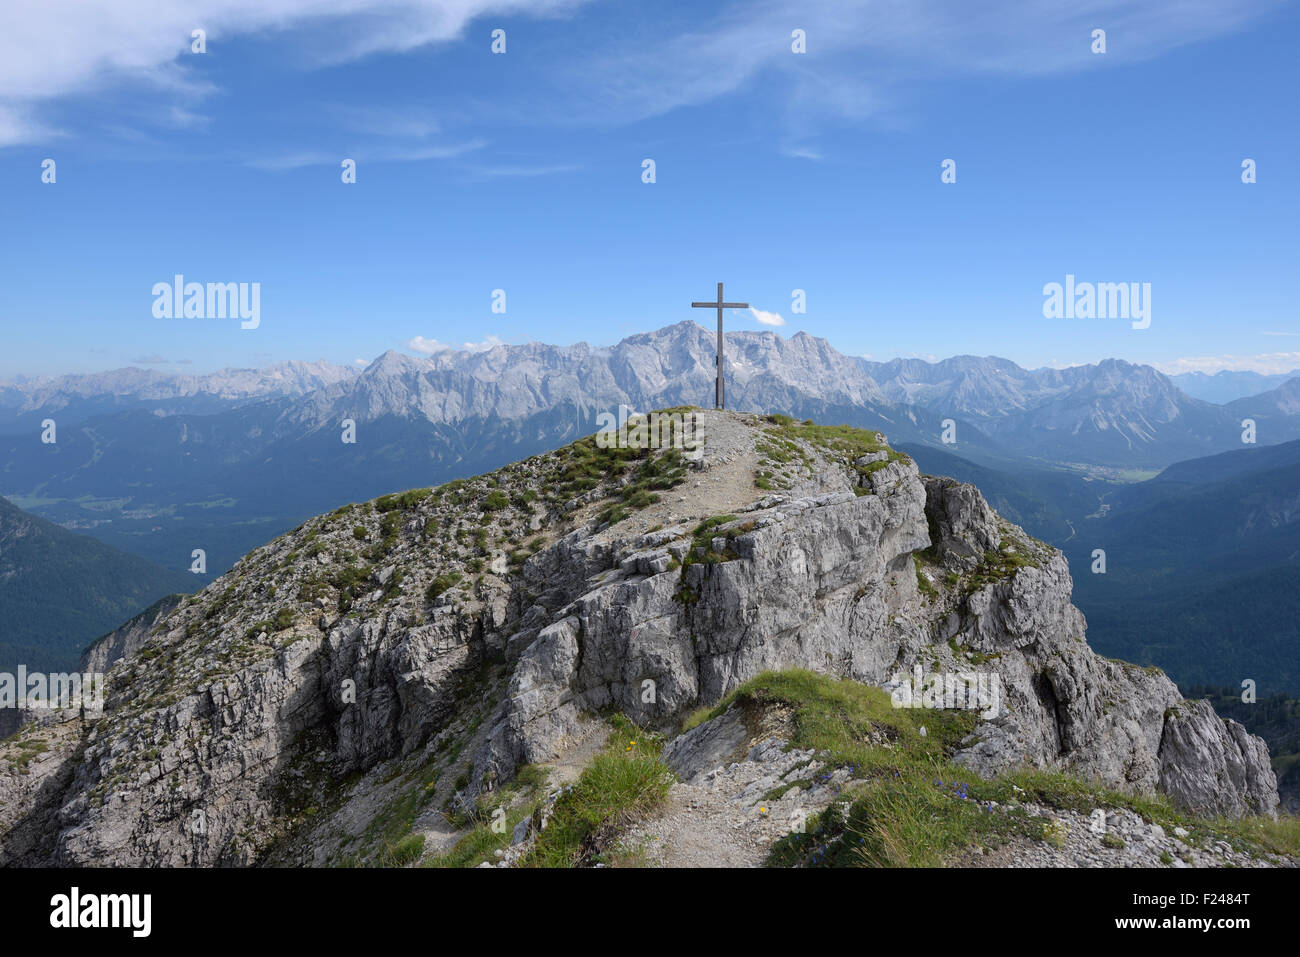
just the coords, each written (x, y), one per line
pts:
(718, 393)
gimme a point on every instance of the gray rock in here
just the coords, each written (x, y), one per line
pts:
(125, 640)
(184, 767)
(1213, 764)
(709, 745)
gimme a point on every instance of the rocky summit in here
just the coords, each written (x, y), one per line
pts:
(648, 655)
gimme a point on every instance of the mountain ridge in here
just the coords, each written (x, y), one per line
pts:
(442, 641)
(217, 477)
(1228, 385)
(1111, 412)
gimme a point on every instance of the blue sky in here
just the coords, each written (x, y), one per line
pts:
(776, 171)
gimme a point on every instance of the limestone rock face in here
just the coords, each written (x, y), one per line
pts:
(963, 523)
(712, 744)
(1213, 764)
(125, 640)
(119, 643)
(827, 583)
(809, 577)
(230, 729)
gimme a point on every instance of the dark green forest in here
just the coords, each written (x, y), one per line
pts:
(61, 591)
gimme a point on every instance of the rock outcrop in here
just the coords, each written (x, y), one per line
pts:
(580, 581)
(125, 640)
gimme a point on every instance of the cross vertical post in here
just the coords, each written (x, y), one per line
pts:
(719, 389)
(719, 394)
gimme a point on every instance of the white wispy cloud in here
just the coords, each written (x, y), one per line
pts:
(523, 171)
(1269, 363)
(56, 49)
(409, 123)
(179, 118)
(427, 346)
(430, 347)
(1055, 363)
(289, 161)
(801, 152)
(767, 318)
(859, 55)
(18, 124)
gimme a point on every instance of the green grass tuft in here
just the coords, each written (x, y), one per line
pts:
(622, 785)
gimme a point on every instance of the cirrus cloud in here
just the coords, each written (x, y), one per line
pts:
(859, 55)
(57, 49)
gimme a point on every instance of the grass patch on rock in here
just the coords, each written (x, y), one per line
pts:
(622, 785)
(908, 805)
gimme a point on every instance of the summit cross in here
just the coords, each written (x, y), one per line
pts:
(719, 396)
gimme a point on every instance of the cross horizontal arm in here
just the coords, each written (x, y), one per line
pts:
(720, 305)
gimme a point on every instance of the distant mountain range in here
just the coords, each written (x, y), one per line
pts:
(70, 399)
(160, 464)
(1225, 386)
(59, 591)
(1113, 414)
(1202, 562)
